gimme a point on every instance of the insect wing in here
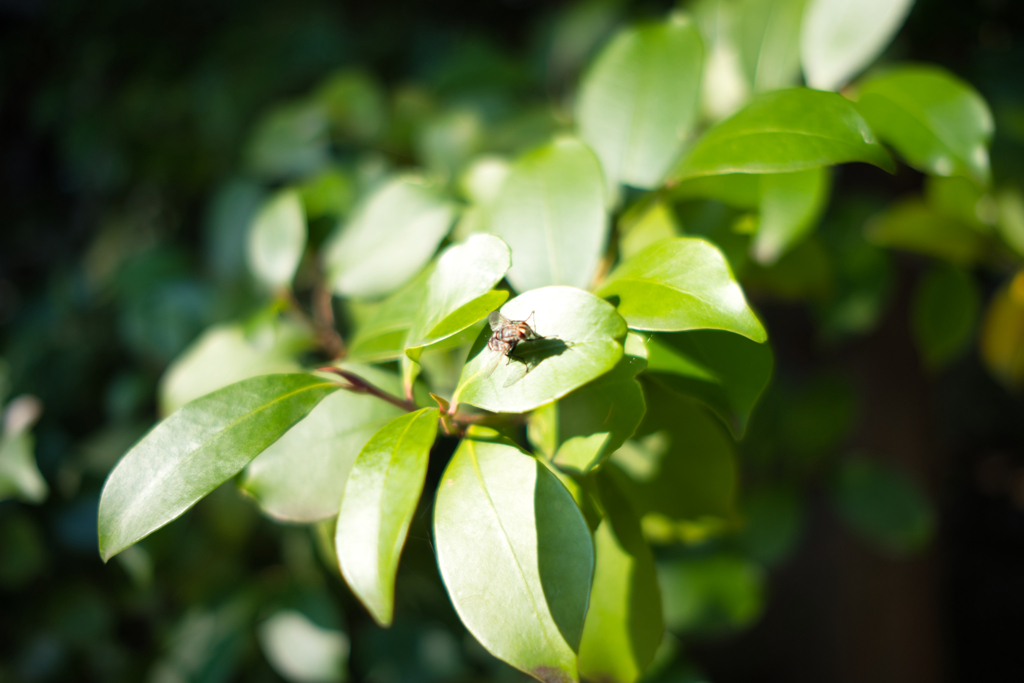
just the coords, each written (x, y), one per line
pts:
(497, 321)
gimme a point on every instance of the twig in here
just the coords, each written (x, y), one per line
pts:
(360, 386)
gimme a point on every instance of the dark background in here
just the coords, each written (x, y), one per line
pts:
(119, 118)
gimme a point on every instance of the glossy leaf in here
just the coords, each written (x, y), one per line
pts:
(681, 284)
(784, 131)
(380, 498)
(913, 225)
(726, 372)
(383, 336)
(227, 353)
(945, 310)
(651, 223)
(711, 596)
(516, 557)
(550, 211)
(582, 429)
(389, 239)
(582, 342)
(769, 42)
(638, 103)
(624, 625)
(1002, 334)
(459, 291)
(277, 239)
(883, 505)
(838, 39)
(938, 123)
(196, 449)
(301, 477)
(791, 204)
(679, 469)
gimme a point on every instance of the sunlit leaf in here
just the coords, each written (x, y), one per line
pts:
(1010, 223)
(884, 505)
(638, 103)
(550, 211)
(784, 131)
(624, 625)
(913, 225)
(641, 227)
(679, 469)
(383, 336)
(302, 476)
(769, 42)
(277, 239)
(581, 342)
(588, 425)
(329, 194)
(1002, 334)
(196, 449)
(19, 475)
(725, 371)
(380, 498)
(838, 39)
(711, 595)
(391, 236)
(459, 291)
(302, 651)
(681, 284)
(945, 310)
(937, 122)
(227, 353)
(516, 557)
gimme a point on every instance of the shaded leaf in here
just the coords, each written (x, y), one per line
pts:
(290, 140)
(937, 122)
(913, 225)
(883, 505)
(383, 336)
(302, 476)
(550, 211)
(773, 523)
(516, 557)
(1002, 334)
(196, 449)
(277, 239)
(380, 498)
(355, 104)
(581, 342)
(712, 595)
(790, 206)
(838, 39)
(651, 223)
(681, 284)
(725, 371)
(582, 429)
(945, 309)
(784, 131)
(390, 237)
(624, 625)
(638, 103)
(459, 291)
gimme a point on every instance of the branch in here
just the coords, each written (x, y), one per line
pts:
(359, 385)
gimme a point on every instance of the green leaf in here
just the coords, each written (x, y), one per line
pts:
(1002, 336)
(883, 505)
(773, 523)
(301, 477)
(784, 131)
(301, 650)
(791, 204)
(329, 194)
(624, 625)
(196, 449)
(389, 239)
(19, 475)
(681, 284)
(839, 39)
(290, 140)
(224, 354)
(516, 557)
(641, 227)
(582, 429)
(679, 469)
(277, 239)
(769, 42)
(913, 225)
(1010, 224)
(550, 211)
(459, 291)
(937, 122)
(581, 343)
(711, 596)
(638, 103)
(944, 313)
(726, 372)
(380, 498)
(383, 336)
(355, 104)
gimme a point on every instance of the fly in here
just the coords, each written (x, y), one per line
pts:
(506, 334)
